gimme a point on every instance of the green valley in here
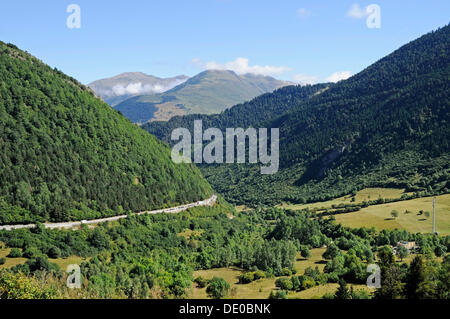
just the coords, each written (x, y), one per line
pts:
(92, 205)
(387, 126)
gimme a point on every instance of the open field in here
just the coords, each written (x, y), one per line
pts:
(259, 289)
(363, 195)
(318, 291)
(61, 262)
(315, 261)
(64, 262)
(10, 262)
(379, 216)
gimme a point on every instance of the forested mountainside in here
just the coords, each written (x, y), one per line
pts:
(208, 92)
(67, 155)
(386, 126)
(244, 115)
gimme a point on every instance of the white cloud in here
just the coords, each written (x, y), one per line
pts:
(356, 12)
(304, 13)
(137, 88)
(241, 66)
(305, 79)
(338, 76)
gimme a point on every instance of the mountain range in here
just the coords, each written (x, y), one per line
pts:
(123, 86)
(387, 126)
(209, 92)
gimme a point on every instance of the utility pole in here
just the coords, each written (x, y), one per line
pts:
(434, 215)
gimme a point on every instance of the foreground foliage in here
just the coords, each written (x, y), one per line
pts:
(155, 256)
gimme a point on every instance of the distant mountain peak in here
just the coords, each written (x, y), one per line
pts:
(210, 91)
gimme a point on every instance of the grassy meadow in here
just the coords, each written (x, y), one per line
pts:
(261, 289)
(363, 195)
(379, 216)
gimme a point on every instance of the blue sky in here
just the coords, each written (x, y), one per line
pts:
(293, 40)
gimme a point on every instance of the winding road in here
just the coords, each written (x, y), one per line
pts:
(173, 210)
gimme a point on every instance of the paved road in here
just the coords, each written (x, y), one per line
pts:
(207, 202)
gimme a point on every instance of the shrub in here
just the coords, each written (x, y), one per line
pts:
(246, 278)
(332, 252)
(286, 272)
(305, 252)
(259, 274)
(201, 282)
(15, 253)
(31, 252)
(295, 282)
(19, 286)
(2, 261)
(328, 296)
(308, 283)
(279, 294)
(218, 288)
(284, 284)
(54, 252)
(332, 277)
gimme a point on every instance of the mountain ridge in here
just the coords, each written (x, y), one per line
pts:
(118, 88)
(208, 92)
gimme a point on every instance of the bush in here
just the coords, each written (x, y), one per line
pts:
(284, 284)
(328, 296)
(31, 252)
(218, 288)
(308, 283)
(246, 278)
(440, 250)
(332, 252)
(259, 274)
(201, 282)
(333, 277)
(54, 252)
(279, 294)
(286, 272)
(295, 282)
(41, 263)
(2, 261)
(305, 252)
(359, 294)
(15, 253)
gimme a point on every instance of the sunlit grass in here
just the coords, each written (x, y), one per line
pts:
(379, 216)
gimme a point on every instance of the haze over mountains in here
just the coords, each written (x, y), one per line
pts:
(387, 126)
(136, 95)
(123, 86)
